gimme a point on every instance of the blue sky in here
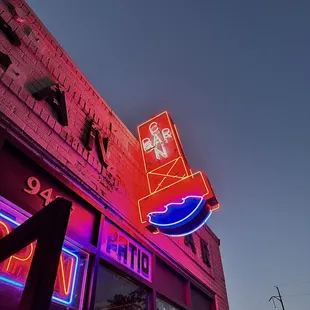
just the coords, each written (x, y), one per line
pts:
(235, 77)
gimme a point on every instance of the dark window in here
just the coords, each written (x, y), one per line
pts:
(200, 301)
(115, 292)
(169, 283)
(163, 305)
(189, 241)
(205, 252)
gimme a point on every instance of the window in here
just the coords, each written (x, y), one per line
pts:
(169, 283)
(200, 301)
(205, 252)
(163, 305)
(115, 292)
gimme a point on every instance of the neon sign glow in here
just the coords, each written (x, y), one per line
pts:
(126, 251)
(167, 218)
(179, 201)
(14, 270)
(158, 144)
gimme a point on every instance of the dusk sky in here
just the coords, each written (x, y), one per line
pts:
(235, 76)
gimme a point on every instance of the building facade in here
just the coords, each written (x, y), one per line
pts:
(51, 123)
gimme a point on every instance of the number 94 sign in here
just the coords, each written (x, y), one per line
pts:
(34, 188)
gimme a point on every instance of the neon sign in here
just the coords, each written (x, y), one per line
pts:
(157, 144)
(179, 201)
(14, 270)
(123, 249)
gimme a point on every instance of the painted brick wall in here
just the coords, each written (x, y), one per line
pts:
(38, 61)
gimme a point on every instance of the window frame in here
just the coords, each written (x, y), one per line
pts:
(114, 269)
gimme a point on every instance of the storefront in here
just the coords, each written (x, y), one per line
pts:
(66, 142)
(126, 272)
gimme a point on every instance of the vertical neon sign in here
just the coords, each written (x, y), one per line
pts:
(179, 201)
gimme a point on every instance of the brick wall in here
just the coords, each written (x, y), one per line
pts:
(37, 63)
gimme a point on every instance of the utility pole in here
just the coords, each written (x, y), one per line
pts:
(279, 298)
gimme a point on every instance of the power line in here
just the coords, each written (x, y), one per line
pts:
(296, 295)
(296, 283)
(279, 298)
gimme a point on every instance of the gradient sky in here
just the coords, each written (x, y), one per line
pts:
(235, 76)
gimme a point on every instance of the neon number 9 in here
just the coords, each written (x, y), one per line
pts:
(34, 186)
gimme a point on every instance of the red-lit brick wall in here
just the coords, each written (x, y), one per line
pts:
(40, 57)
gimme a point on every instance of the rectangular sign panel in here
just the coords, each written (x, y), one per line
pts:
(162, 153)
(123, 249)
(159, 141)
